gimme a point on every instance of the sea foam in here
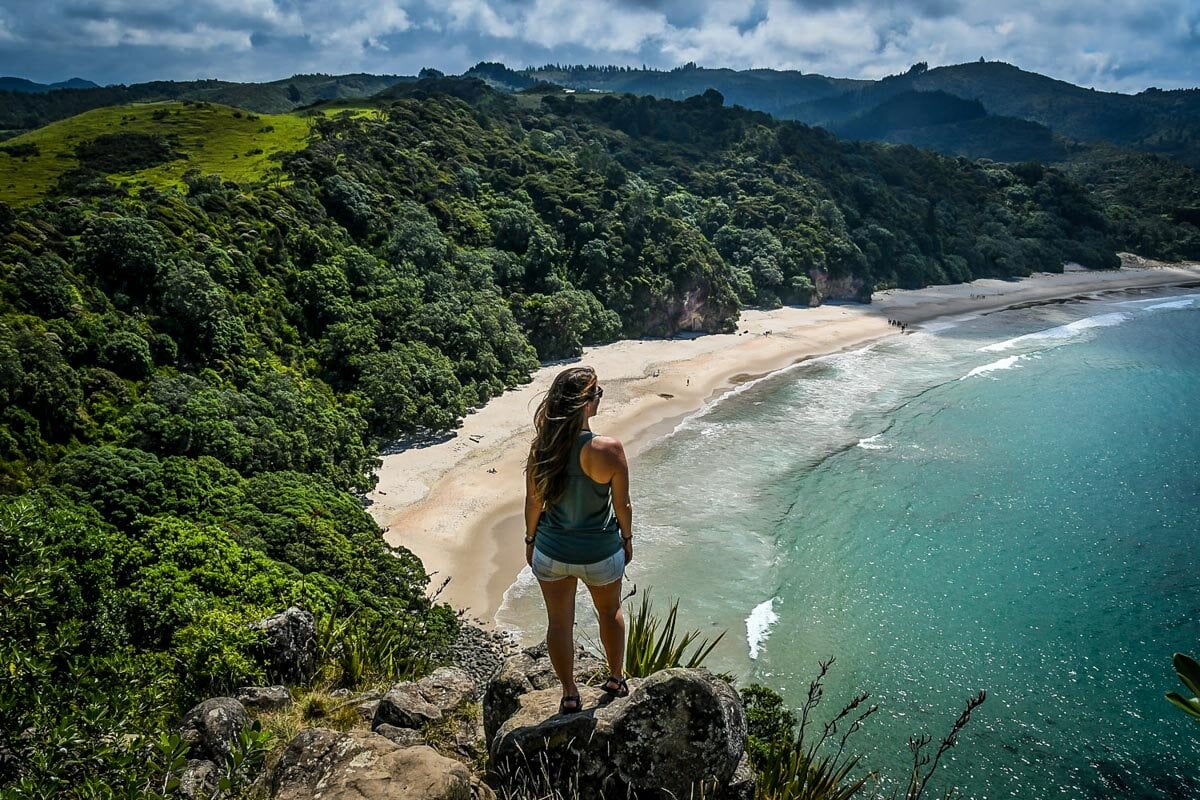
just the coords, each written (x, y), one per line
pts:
(1068, 331)
(872, 443)
(758, 625)
(1183, 302)
(1005, 363)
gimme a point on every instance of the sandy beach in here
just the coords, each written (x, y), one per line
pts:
(464, 521)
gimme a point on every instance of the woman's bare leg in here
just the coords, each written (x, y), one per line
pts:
(560, 632)
(612, 624)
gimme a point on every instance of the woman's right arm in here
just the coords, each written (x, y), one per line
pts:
(533, 512)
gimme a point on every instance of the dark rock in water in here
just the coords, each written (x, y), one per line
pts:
(679, 732)
(198, 780)
(211, 727)
(357, 765)
(264, 698)
(289, 645)
(413, 704)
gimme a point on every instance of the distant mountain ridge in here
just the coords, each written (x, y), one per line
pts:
(14, 84)
(1154, 121)
(1026, 116)
(759, 89)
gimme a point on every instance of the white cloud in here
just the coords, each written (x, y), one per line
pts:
(1114, 44)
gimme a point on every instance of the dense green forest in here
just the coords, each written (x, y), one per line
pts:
(195, 380)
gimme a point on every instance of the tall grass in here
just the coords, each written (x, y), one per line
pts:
(352, 651)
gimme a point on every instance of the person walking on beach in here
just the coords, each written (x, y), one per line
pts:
(578, 525)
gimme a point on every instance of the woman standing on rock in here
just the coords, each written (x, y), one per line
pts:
(578, 524)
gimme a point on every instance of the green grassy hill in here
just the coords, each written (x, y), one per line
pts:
(235, 144)
(24, 111)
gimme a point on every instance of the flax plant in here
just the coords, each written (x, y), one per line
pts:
(654, 643)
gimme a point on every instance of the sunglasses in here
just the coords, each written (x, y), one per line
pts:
(598, 393)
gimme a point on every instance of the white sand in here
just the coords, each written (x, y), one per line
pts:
(465, 523)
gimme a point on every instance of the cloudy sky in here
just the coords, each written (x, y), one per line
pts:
(1119, 45)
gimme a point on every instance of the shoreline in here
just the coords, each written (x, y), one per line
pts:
(465, 523)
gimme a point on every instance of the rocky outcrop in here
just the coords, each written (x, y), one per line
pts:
(210, 728)
(528, 671)
(289, 645)
(413, 704)
(359, 765)
(264, 698)
(678, 732)
(846, 287)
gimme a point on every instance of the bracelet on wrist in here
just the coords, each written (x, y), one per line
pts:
(529, 539)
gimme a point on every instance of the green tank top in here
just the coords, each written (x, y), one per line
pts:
(581, 526)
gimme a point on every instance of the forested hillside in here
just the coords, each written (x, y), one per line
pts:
(195, 380)
(1163, 122)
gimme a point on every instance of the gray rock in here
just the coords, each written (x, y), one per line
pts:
(679, 726)
(289, 645)
(413, 704)
(447, 688)
(405, 737)
(198, 780)
(678, 730)
(743, 783)
(358, 765)
(527, 671)
(264, 698)
(404, 707)
(210, 728)
(367, 710)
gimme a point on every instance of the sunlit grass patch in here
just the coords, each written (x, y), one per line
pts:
(235, 144)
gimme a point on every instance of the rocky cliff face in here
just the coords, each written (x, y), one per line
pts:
(845, 287)
(693, 310)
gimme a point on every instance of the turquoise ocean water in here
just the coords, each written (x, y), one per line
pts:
(1008, 503)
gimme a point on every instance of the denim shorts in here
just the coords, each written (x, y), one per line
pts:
(600, 573)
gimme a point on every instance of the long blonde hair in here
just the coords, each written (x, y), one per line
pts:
(557, 421)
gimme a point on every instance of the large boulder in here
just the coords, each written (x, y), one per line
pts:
(211, 727)
(528, 671)
(359, 765)
(679, 732)
(413, 704)
(289, 645)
